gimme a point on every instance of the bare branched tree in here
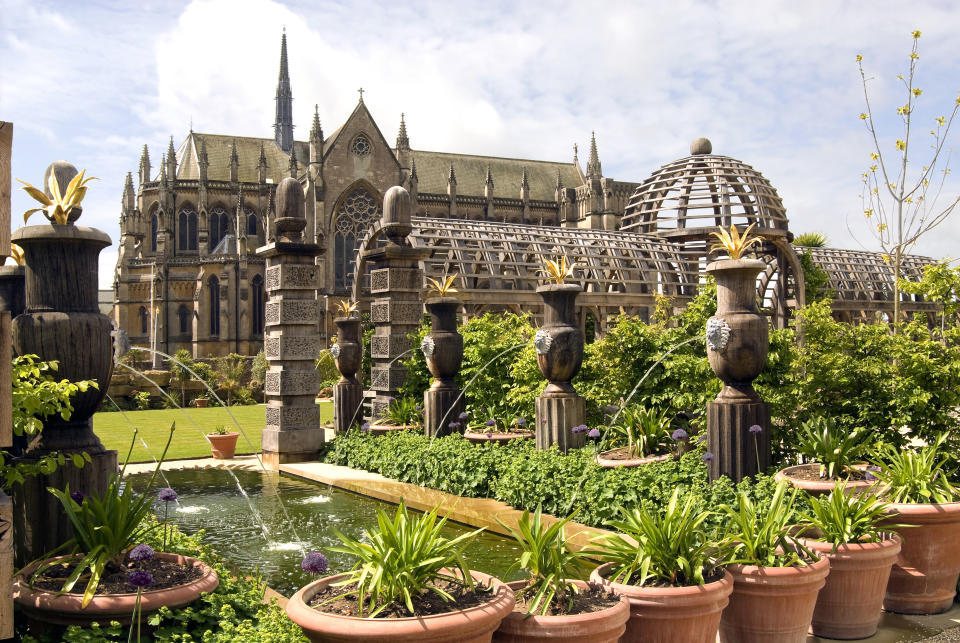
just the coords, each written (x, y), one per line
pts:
(900, 205)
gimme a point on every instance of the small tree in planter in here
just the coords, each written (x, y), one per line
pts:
(833, 454)
(231, 370)
(670, 567)
(846, 529)
(182, 360)
(558, 608)
(925, 513)
(775, 579)
(107, 527)
(410, 583)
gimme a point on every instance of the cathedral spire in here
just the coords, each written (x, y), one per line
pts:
(293, 167)
(403, 142)
(129, 198)
(262, 166)
(593, 163)
(234, 163)
(283, 125)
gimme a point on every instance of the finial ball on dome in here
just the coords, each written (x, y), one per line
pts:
(701, 146)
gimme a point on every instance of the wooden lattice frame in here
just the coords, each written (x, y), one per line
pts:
(703, 191)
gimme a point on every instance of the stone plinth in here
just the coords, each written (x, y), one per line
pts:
(443, 350)
(556, 416)
(735, 450)
(348, 392)
(292, 432)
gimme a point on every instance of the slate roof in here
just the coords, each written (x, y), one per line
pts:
(433, 168)
(248, 153)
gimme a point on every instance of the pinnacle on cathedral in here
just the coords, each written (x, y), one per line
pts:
(452, 178)
(283, 125)
(316, 132)
(593, 163)
(403, 142)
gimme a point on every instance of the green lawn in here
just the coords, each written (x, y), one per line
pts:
(116, 430)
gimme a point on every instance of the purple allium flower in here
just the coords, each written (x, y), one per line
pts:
(594, 433)
(167, 495)
(489, 435)
(707, 457)
(141, 552)
(453, 425)
(520, 421)
(580, 428)
(391, 399)
(755, 429)
(77, 497)
(702, 438)
(463, 416)
(140, 578)
(365, 426)
(491, 423)
(419, 407)
(315, 563)
(679, 435)
(869, 473)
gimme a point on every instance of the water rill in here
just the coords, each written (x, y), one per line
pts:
(62, 321)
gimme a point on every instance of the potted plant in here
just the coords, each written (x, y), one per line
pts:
(641, 436)
(401, 414)
(550, 605)
(102, 557)
(775, 578)
(832, 454)
(491, 430)
(924, 512)
(410, 583)
(670, 568)
(201, 401)
(846, 529)
(223, 443)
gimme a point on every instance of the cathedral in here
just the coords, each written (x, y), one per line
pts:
(188, 277)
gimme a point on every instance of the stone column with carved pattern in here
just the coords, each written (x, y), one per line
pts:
(292, 432)
(396, 283)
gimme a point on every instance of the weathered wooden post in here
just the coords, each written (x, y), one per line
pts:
(6, 401)
(62, 322)
(737, 345)
(292, 432)
(443, 350)
(348, 356)
(559, 346)
(396, 281)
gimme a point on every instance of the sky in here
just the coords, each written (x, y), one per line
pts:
(774, 84)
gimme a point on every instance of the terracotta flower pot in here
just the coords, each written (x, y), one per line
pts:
(472, 625)
(383, 429)
(223, 445)
(47, 607)
(611, 463)
(850, 604)
(666, 614)
(493, 437)
(924, 578)
(605, 626)
(824, 486)
(772, 604)
(201, 402)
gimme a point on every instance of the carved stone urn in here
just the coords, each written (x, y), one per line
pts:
(737, 343)
(559, 346)
(62, 321)
(347, 355)
(737, 336)
(443, 350)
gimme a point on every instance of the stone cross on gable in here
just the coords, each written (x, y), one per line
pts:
(361, 94)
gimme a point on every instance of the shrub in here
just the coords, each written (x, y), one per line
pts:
(258, 371)
(231, 370)
(327, 369)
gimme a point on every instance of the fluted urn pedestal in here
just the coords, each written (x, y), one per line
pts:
(737, 345)
(443, 350)
(62, 322)
(559, 346)
(347, 355)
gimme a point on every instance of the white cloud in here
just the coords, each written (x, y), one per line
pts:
(773, 84)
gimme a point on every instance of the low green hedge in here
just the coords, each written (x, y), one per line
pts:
(523, 477)
(233, 612)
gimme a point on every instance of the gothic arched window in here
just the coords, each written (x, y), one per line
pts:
(256, 302)
(218, 226)
(154, 228)
(355, 215)
(144, 320)
(187, 229)
(253, 224)
(213, 285)
(183, 315)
